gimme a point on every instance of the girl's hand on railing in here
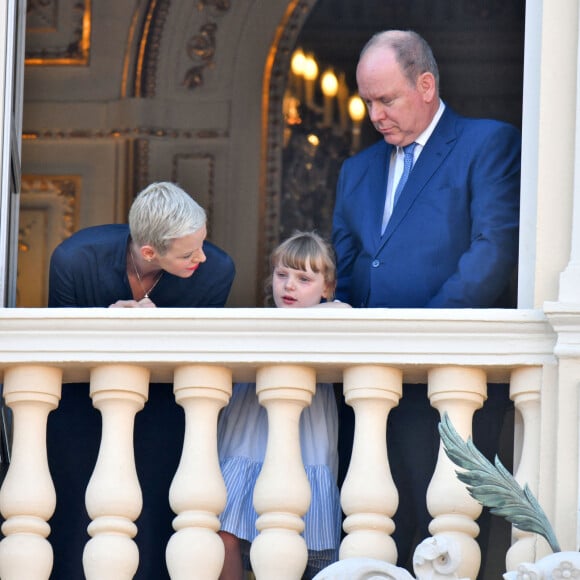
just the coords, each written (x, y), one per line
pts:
(333, 304)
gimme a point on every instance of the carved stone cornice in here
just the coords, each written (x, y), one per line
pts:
(565, 320)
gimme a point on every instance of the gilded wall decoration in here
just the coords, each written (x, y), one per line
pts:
(58, 33)
(48, 215)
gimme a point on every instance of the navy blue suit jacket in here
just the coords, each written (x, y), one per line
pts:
(452, 240)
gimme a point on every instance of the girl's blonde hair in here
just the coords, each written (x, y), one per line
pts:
(304, 249)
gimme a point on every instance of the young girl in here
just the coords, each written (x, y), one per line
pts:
(304, 275)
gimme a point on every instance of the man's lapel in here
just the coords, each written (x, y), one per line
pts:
(434, 153)
(373, 186)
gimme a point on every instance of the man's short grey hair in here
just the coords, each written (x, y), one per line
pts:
(163, 212)
(412, 53)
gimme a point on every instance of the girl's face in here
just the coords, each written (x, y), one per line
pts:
(298, 288)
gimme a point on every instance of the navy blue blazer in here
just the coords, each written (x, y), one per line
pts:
(452, 240)
(89, 269)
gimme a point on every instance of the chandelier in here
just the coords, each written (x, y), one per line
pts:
(334, 107)
(322, 127)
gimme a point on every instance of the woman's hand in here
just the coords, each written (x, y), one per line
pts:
(144, 303)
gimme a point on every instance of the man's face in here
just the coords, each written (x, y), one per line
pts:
(399, 110)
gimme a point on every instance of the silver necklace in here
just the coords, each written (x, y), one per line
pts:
(140, 279)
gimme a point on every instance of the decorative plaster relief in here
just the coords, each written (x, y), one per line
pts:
(201, 47)
(58, 33)
(436, 558)
(48, 215)
(552, 567)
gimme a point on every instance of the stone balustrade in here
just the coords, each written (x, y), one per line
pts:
(203, 353)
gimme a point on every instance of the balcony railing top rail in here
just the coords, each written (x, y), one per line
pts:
(245, 339)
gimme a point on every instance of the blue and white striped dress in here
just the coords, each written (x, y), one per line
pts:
(242, 438)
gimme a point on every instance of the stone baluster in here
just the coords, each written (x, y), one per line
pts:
(198, 493)
(458, 391)
(113, 497)
(525, 387)
(28, 497)
(369, 497)
(282, 493)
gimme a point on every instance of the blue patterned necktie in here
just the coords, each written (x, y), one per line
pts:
(407, 166)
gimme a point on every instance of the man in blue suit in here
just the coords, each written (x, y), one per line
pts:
(447, 237)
